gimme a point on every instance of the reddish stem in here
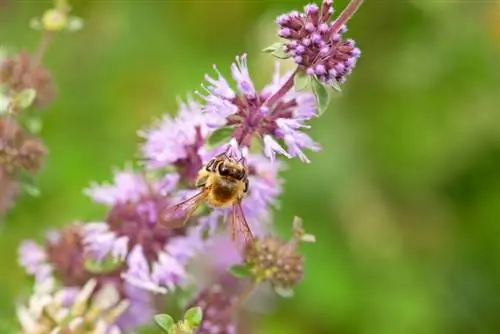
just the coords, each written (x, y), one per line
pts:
(282, 91)
(42, 47)
(346, 14)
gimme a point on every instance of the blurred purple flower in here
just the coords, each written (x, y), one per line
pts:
(155, 256)
(217, 305)
(317, 45)
(62, 257)
(176, 141)
(270, 114)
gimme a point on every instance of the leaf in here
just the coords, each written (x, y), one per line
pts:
(194, 316)
(277, 50)
(322, 96)
(108, 264)
(220, 135)
(310, 238)
(165, 322)
(273, 47)
(75, 24)
(28, 184)
(34, 124)
(335, 85)
(26, 98)
(301, 81)
(284, 292)
(31, 189)
(239, 271)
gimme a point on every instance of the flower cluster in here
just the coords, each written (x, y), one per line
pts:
(317, 45)
(50, 311)
(25, 85)
(215, 163)
(21, 72)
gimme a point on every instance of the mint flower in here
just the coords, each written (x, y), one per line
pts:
(62, 257)
(268, 115)
(317, 45)
(177, 141)
(155, 256)
(50, 311)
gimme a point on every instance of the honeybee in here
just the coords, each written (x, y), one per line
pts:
(224, 183)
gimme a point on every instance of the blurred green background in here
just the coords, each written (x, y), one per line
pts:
(404, 198)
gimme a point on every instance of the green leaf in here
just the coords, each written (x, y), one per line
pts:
(284, 292)
(301, 81)
(26, 98)
(220, 135)
(322, 96)
(4, 104)
(194, 316)
(108, 264)
(165, 322)
(34, 125)
(239, 271)
(75, 24)
(335, 86)
(273, 47)
(310, 238)
(277, 50)
(28, 184)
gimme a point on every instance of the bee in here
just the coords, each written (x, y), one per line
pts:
(224, 183)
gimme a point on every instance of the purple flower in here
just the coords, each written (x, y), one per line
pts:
(62, 257)
(155, 256)
(176, 141)
(318, 46)
(217, 304)
(269, 114)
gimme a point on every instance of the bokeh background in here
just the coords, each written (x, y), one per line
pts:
(404, 198)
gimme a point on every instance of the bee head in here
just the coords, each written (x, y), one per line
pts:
(232, 169)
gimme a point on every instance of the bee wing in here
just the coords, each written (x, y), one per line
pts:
(182, 210)
(239, 229)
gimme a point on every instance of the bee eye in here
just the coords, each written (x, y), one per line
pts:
(223, 170)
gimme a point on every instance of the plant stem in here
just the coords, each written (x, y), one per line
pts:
(346, 14)
(42, 47)
(283, 90)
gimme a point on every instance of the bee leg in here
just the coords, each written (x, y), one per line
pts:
(245, 190)
(201, 182)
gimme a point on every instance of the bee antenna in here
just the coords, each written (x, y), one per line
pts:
(243, 160)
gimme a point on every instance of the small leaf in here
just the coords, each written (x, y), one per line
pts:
(34, 124)
(239, 271)
(28, 184)
(322, 96)
(194, 316)
(301, 81)
(31, 189)
(26, 98)
(4, 104)
(75, 24)
(220, 135)
(108, 264)
(281, 54)
(35, 23)
(310, 238)
(284, 292)
(335, 85)
(273, 47)
(297, 223)
(165, 322)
